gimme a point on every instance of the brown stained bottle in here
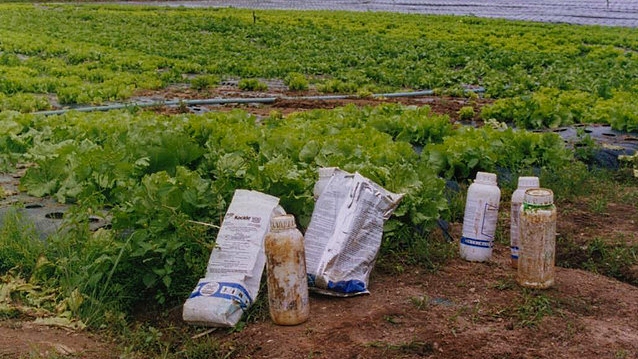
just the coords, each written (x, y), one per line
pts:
(537, 239)
(286, 272)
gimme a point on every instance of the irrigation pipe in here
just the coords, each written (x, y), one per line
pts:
(214, 101)
(237, 100)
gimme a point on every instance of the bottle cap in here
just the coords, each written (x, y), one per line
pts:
(539, 197)
(528, 182)
(286, 221)
(326, 171)
(485, 177)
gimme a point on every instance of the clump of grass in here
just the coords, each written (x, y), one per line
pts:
(20, 245)
(505, 284)
(414, 347)
(570, 182)
(428, 250)
(534, 306)
(456, 195)
(421, 303)
(610, 258)
(207, 348)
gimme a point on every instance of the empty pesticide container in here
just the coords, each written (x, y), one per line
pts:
(481, 215)
(524, 183)
(325, 173)
(537, 239)
(286, 272)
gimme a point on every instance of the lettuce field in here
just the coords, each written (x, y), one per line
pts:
(165, 179)
(545, 75)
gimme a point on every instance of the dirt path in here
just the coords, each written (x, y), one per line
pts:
(465, 310)
(24, 339)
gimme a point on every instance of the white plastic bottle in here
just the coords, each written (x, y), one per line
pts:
(324, 177)
(286, 272)
(481, 215)
(537, 239)
(524, 183)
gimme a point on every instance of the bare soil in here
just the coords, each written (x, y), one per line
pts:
(463, 310)
(287, 102)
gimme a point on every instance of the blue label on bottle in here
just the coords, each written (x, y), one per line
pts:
(514, 252)
(476, 242)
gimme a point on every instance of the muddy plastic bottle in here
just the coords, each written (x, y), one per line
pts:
(481, 215)
(286, 272)
(524, 183)
(324, 177)
(537, 239)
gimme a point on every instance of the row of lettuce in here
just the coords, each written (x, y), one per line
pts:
(163, 178)
(546, 75)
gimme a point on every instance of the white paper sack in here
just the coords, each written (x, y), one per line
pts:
(233, 275)
(344, 235)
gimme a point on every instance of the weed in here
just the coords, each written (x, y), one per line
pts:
(421, 303)
(570, 182)
(416, 347)
(533, 307)
(391, 319)
(476, 312)
(621, 354)
(585, 149)
(20, 245)
(505, 284)
(208, 348)
(456, 196)
(35, 353)
(428, 250)
(572, 329)
(598, 205)
(258, 311)
(182, 107)
(7, 312)
(577, 305)
(85, 262)
(398, 268)
(502, 233)
(612, 258)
